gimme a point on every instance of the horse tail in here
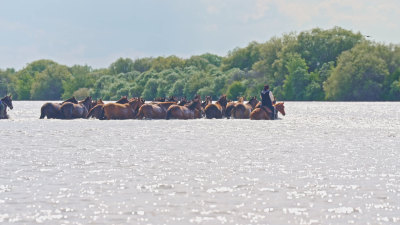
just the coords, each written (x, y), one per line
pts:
(228, 111)
(169, 114)
(212, 111)
(42, 112)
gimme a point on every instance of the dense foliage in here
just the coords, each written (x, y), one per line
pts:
(334, 64)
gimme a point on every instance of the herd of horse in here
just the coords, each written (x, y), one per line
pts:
(160, 108)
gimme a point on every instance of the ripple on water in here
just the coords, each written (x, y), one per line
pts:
(323, 163)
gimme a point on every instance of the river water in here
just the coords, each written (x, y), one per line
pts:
(323, 163)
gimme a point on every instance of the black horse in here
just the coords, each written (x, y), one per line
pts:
(4, 103)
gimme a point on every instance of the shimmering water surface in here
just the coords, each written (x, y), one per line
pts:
(324, 163)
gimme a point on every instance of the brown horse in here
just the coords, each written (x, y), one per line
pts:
(230, 105)
(188, 111)
(154, 110)
(264, 113)
(117, 111)
(4, 103)
(71, 110)
(216, 110)
(97, 110)
(242, 110)
(53, 110)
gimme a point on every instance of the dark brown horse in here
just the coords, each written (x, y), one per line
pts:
(264, 113)
(230, 105)
(188, 111)
(216, 110)
(97, 110)
(154, 110)
(242, 110)
(4, 103)
(71, 110)
(53, 110)
(183, 101)
(96, 102)
(117, 111)
(207, 101)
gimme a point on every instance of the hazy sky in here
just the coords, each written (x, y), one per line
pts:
(97, 32)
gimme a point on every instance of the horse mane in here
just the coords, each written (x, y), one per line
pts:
(72, 99)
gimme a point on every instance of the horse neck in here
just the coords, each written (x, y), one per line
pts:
(193, 105)
(86, 103)
(122, 101)
(222, 103)
(253, 105)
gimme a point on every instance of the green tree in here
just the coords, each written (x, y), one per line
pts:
(143, 64)
(242, 58)
(294, 87)
(48, 84)
(236, 89)
(150, 90)
(321, 46)
(121, 66)
(358, 76)
(25, 77)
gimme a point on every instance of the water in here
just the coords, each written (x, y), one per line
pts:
(324, 163)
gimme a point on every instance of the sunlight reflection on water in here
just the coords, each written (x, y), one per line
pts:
(324, 163)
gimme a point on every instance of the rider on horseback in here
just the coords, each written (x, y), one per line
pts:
(267, 99)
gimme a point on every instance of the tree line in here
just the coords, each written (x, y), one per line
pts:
(315, 65)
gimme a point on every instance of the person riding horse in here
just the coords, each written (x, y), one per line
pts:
(267, 99)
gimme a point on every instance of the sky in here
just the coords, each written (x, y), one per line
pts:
(98, 32)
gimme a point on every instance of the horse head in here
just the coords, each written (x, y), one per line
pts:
(8, 101)
(195, 103)
(172, 99)
(241, 99)
(87, 102)
(280, 107)
(183, 101)
(135, 104)
(253, 102)
(223, 101)
(122, 100)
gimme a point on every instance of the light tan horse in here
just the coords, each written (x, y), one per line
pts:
(264, 113)
(242, 110)
(216, 110)
(117, 111)
(191, 110)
